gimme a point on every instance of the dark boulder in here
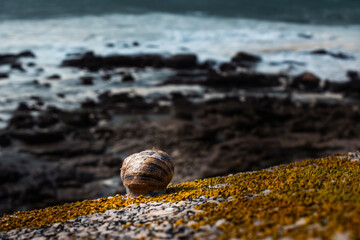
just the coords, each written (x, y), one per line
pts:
(243, 80)
(27, 54)
(353, 75)
(70, 149)
(246, 60)
(338, 55)
(207, 64)
(39, 136)
(4, 75)
(181, 61)
(61, 95)
(93, 62)
(8, 174)
(46, 119)
(125, 103)
(13, 58)
(21, 120)
(106, 77)
(128, 78)
(350, 88)
(88, 103)
(5, 140)
(87, 80)
(306, 81)
(54, 77)
(227, 67)
(81, 119)
(182, 108)
(17, 66)
(23, 107)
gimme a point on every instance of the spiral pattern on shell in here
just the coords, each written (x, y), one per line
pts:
(147, 173)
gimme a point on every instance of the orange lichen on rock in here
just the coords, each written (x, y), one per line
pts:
(307, 199)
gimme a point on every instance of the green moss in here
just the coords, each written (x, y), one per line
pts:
(312, 198)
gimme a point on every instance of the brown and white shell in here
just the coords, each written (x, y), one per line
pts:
(147, 173)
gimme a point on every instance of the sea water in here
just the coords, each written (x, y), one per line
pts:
(282, 33)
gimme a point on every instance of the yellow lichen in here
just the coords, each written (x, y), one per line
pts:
(312, 198)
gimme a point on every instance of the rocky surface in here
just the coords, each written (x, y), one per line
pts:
(92, 62)
(13, 59)
(242, 120)
(292, 201)
(79, 153)
(147, 220)
(338, 55)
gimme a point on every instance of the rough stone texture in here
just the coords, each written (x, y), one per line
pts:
(62, 156)
(147, 220)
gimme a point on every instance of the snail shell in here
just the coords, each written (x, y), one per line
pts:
(147, 173)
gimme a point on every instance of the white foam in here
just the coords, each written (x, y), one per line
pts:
(208, 37)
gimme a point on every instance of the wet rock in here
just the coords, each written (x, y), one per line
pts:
(70, 149)
(40, 70)
(23, 107)
(350, 88)
(21, 120)
(288, 62)
(17, 66)
(36, 98)
(232, 80)
(47, 119)
(5, 140)
(306, 81)
(353, 75)
(81, 119)
(128, 78)
(182, 107)
(207, 64)
(13, 58)
(54, 77)
(182, 61)
(124, 102)
(338, 55)
(245, 60)
(8, 174)
(186, 78)
(39, 136)
(227, 67)
(94, 63)
(305, 35)
(4, 75)
(87, 80)
(27, 54)
(61, 95)
(35, 82)
(106, 77)
(88, 103)
(243, 80)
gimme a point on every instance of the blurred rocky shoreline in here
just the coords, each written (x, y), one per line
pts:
(244, 121)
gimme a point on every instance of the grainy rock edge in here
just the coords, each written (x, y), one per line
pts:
(268, 204)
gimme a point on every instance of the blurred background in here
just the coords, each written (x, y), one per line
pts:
(222, 86)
